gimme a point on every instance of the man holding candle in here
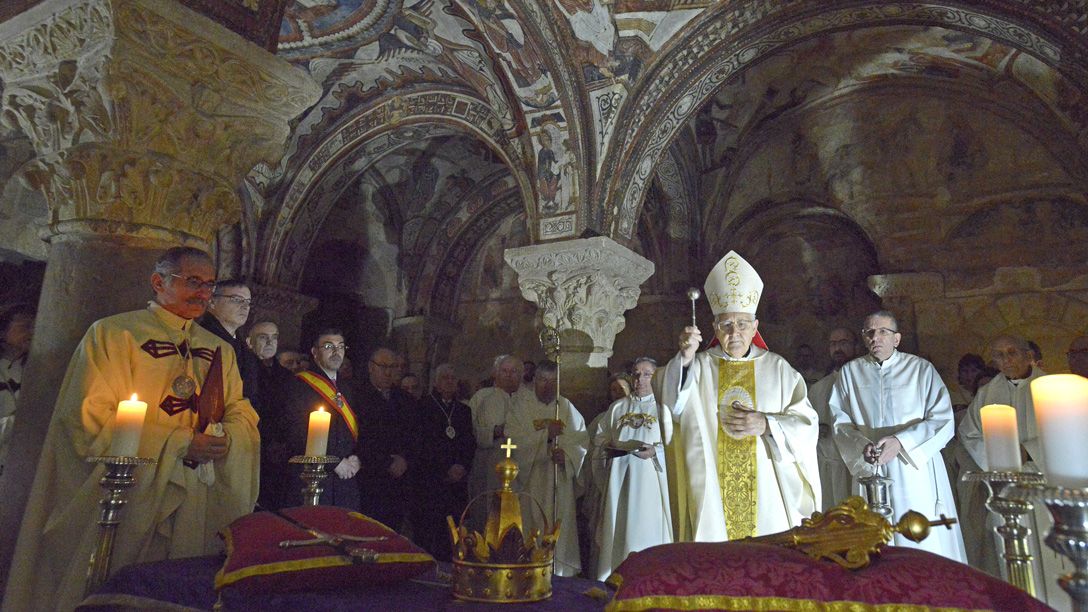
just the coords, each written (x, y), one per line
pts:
(892, 410)
(160, 355)
(319, 387)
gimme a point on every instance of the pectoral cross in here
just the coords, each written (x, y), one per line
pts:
(509, 446)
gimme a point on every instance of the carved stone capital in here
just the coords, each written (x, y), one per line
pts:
(583, 285)
(144, 111)
(277, 302)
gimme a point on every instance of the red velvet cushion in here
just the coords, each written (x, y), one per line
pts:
(749, 576)
(255, 561)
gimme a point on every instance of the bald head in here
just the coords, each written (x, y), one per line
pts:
(1078, 356)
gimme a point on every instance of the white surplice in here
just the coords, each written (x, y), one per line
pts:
(170, 512)
(1050, 565)
(835, 480)
(788, 478)
(635, 508)
(490, 407)
(906, 398)
(536, 473)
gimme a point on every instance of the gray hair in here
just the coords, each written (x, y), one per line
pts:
(443, 368)
(170, 261)
(886, 314)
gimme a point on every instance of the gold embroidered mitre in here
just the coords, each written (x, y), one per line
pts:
(733, 285)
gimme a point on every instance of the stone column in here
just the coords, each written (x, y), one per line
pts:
(285, 308)
(145, 116)
(425, 341)
(582, 288)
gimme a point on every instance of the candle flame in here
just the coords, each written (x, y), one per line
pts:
(134, 397)
(321, 409)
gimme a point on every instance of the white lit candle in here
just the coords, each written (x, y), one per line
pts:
(317, 437)
(1061, 413)
(127, 427)
(1002, 438)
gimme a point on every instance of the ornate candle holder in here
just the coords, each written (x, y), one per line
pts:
(119, 477)
(877, 494)
(1005, 497)
(1069, 535)
(313, 472)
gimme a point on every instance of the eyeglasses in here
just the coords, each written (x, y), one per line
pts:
(237, 300)
(881, 332)
(727, 326)
(329, 346)
(194, 283)
(384, 366)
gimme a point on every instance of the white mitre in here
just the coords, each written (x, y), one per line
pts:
(733, 286)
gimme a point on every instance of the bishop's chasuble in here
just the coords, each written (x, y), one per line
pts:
(721, 488)
(526, 425)
(906, 398)
(170, 513)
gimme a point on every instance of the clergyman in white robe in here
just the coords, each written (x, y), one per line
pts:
(904, 397)
(527, 427)
(787, 480)
(635, 508)
(835, 478)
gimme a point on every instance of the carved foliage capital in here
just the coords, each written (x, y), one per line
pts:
(100, 183)
(585, 285)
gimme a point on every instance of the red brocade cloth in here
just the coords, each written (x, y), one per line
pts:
(750, 576)
(257, 563)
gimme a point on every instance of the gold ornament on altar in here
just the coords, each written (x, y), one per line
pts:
(503, 564)
(850, 533)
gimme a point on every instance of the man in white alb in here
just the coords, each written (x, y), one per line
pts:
(892, 410)
(834, 477)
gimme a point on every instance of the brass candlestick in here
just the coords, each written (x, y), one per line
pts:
(313, 472)
(119, 477)
(1069, 535)
(1002, 499)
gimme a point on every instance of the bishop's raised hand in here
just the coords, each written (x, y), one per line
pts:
(690, 339)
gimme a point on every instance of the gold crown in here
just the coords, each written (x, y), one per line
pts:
(503, 564)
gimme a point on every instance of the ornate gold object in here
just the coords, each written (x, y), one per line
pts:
(850, 533)
(313, 472)
(1002, 501)
(503, 564)
(119, 477)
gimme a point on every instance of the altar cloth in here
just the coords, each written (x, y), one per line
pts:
(179, 585)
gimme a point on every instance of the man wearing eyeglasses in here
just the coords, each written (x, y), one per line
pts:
(173, 510)
(228, 311)
(892, 413)
(387, 440)
(1077, 355)
(320, 387)
(743, 457)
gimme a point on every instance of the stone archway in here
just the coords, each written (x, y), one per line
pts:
(399, 121)
(718, 50)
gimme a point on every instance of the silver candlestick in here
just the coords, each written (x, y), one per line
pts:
(313, 472)
(119, 477)
(1069, 535)
(1002, 499)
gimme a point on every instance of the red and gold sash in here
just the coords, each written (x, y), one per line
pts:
(335, 400)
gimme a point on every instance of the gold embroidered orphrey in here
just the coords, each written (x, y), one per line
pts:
(737, 458)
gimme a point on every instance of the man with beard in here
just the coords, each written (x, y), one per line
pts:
(445, 434)
(174, 510)
(834, 477)
(318, 387)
